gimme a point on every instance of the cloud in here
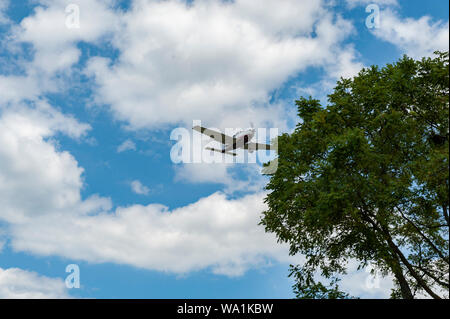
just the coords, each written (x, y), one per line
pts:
(347, 66)
(16, 88)
(55, 43)
(46, 61)
(127, 145)
(220, 62)
(364, 284)
(35, 177)
(3, 17)
(203, 173)
(234, 177)
(16, 283)
(46, 215)
(138, 188)
(214, 233)
(415, 37)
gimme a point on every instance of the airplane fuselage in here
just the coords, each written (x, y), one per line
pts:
(242, 139)
(239, 140)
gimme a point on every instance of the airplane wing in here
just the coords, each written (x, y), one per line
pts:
(220, 151)
(218, 136)
(257, 146)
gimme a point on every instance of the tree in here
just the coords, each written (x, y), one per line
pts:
(366, 178)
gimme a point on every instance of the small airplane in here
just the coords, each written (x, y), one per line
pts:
(241, 139)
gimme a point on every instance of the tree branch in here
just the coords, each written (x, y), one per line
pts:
(402, 257)
(405, 261)
(429, 242)
(445, 210)
(426, 272)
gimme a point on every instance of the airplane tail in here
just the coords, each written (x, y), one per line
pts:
(220, 151)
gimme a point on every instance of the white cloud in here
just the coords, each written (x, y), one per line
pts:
(203, 173)
(3, 17)
(138, 188)
(16, 283)
(364, 284)
(347, 66)
(41, 204)
(127, 145)
(16, 88)
(54, 46)
(415, 37)
(55, 43)
(35, 177)
(214, 232)
(218, 63)
(234, 177)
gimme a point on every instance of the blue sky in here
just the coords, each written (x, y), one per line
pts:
(87, 106)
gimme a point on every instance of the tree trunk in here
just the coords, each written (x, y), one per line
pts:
(404, 286)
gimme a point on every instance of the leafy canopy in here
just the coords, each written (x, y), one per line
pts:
(367, 178)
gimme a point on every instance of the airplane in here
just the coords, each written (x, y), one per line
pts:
(241, 139)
